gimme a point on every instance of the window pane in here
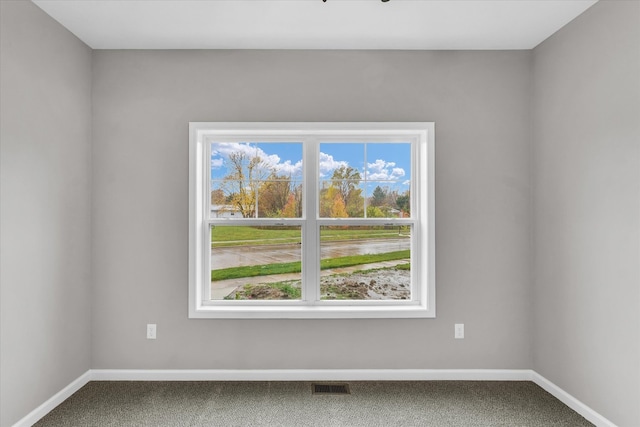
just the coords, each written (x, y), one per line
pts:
(341, 199)
(365, 262)
(341, 159)
(256, 180)
(388, 180)
(280, 198)
(221, 205)
(255, 263)
(388, 162)
(359, 180)
(387, 200)
(340, 172)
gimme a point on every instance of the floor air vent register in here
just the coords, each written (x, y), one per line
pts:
(320, 388)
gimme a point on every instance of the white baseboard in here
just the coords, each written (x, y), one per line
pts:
(315, 375)
(54, 401)
(312, 375)
(573, 403)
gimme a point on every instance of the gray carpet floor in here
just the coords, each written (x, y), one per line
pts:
(283, 404)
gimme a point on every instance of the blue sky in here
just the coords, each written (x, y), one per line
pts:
(385, 164)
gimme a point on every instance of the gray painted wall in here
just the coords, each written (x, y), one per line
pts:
(45, 177)
(143, 101)
(586, 156)
(582, 310)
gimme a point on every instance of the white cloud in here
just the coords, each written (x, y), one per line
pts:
(382, 176)
(397, 173)
(287, 168)
(270, 162)
(379, 166)
(329, 164)
(223, 149)
(381, 170)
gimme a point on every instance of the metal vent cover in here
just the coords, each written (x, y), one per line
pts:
(325, 388)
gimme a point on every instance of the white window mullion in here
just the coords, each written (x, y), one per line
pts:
(311, 235)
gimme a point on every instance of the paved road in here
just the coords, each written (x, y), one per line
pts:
(259, 255)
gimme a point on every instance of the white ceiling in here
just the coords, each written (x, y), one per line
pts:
(313, 24)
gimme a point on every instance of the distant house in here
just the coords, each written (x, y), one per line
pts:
(396, 213)
(224, 211)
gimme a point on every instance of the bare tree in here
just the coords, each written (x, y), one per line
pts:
(241, 184)
(346, 180)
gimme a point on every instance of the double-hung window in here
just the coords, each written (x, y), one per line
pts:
(311, 220)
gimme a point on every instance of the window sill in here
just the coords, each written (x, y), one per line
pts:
(311, 312)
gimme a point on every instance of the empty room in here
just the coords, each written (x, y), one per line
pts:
(320, 213)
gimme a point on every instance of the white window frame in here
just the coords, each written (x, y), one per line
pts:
(422, 303)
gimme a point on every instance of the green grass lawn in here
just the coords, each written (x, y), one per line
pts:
(222, 236)
(295, 267)
(242, 235)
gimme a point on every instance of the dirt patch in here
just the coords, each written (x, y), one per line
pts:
(380, 284)
(267, 291)
(386, 284)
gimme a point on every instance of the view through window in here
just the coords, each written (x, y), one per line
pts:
(266, 180)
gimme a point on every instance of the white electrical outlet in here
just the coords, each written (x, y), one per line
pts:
(459, 331)
(151, 331)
